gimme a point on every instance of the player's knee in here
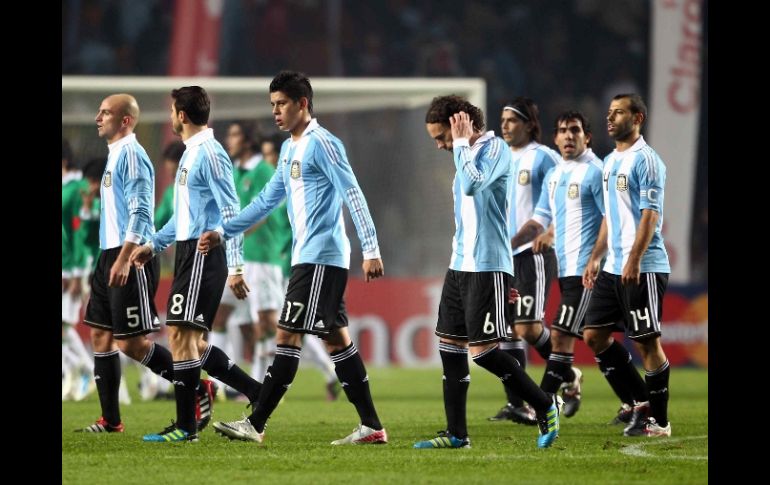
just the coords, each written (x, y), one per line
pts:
(101, 340)
(135, 347)
(596, 341)
(561, 342)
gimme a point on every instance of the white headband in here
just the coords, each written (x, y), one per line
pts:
(522, 115)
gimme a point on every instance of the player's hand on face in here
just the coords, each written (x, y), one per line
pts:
(140, 256)
(238, 286)
(208, 241)
(373, 268)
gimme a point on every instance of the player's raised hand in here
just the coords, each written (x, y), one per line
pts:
(208, 241)
(373, 269)
(461, 125)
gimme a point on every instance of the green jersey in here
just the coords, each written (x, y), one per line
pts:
(165, 208)
(264, 244)
(73, 256)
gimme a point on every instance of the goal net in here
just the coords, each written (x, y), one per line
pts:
(406, 180)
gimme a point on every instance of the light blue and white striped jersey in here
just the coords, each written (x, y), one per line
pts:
(480, 189)
(204, 196)
(572, 198)
(128, 195)
(315, 177)
(634, 180)
(530, 165)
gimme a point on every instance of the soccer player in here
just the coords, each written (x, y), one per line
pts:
(121, 311)
(633, 281)
(571, 197)
(316, 178)
(534, 263)
(473, 310)
(204, 198)
(312, 347)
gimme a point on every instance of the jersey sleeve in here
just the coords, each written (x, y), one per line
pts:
(139, 179)
(543, 214)
(652, 178)
(333, 162)
(477, 175)
(219, 174)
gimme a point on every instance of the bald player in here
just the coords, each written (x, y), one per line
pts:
(121, 311)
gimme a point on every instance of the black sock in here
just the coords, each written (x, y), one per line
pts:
(107, 375)
(159, 360)
(216, 363)
(510, 372)
(557, 371)
(457, 379)
(657, 386)
(543, 343)
(187, 376)
(355, 382)
(278, 379)
(516, 349)
(615, 363)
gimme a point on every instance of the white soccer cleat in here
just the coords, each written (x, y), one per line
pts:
(123, 396)
(239, 430)
(148, 385)
(364, 435)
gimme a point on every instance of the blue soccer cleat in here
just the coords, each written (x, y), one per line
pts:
(444, 440)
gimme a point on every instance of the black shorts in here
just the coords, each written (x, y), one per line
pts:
(473, 306)
(640, 306)
(533, 275)
(570, 317)
(314, 300)
(126, 311)
(197, 287)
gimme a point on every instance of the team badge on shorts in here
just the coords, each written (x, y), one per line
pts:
(107, 178)
(183, 177)
(296, 171)
(622, 183)
(574, 191)
(524, 177)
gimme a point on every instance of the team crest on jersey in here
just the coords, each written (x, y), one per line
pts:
(183, 177)
(296, 170)
(622, 183)
(574, 191)
(107, 178)
(524, 177)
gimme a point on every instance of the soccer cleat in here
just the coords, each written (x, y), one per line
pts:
(239, 430)
(624, 414)
(571, 393)
(172, 434)
(444, 440)
(148, 385)
(549, 424)
(641, 411)
(648, 427)
(102, 426)
(204, 403)
(523, 414)
(364, 435)
(123, 396)
(333, 389)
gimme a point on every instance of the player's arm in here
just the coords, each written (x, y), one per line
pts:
(652, 178)
(333, 161)
(489, 165)
(543, 215)
(138, 190)
(598, 252)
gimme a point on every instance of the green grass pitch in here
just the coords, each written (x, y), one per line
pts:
(297, 450)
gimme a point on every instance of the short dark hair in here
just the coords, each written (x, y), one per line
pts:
(637, 104)
(443, 107)
(66, 153)
(573, 115)
(295, 85)
(94, 169)
(250, 133)
(174, 151)
(194, 101)
(526, 109)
